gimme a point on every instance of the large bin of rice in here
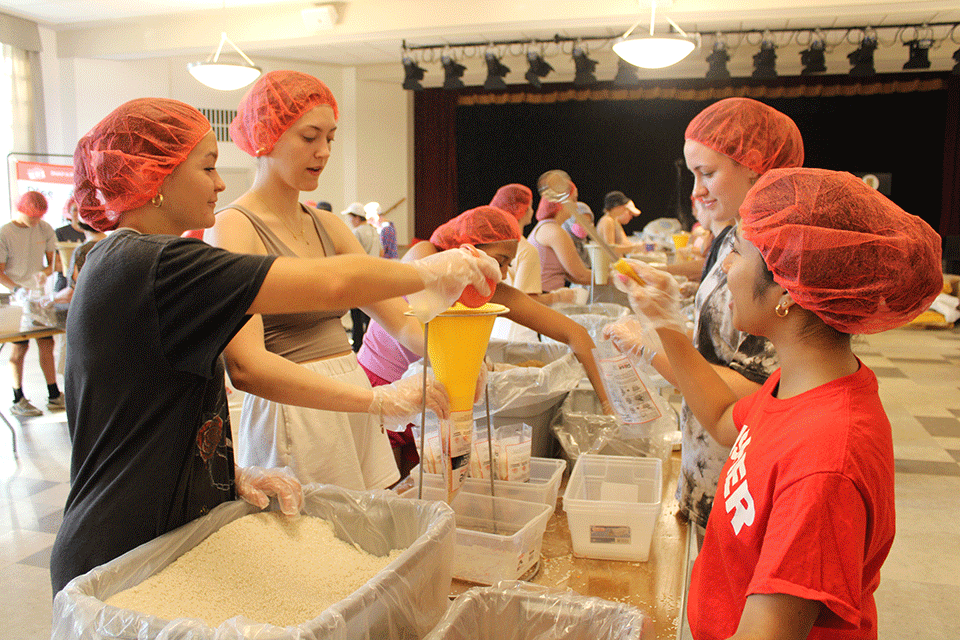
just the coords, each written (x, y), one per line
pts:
(517, 611)
(403, 601)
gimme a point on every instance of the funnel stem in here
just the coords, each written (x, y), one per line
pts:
(423, 409)
(493, 497)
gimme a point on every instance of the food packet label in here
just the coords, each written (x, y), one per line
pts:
(513, 459)
(480, 459)
(458, 436)
(630, 397)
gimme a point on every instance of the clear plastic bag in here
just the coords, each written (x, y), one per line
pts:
(404, 601)
(520, 611)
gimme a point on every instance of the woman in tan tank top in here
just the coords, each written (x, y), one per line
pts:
(307, 398)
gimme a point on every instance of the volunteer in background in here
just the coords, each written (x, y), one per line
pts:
(388, 232)
(728, 146)
(618, 210)
(806, 517)
(559, 260)
(369, 239)
(307, 402)
(497, 233)
(26, 243)
(152, 312)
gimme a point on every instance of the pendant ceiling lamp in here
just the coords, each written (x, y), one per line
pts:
(225, 76)
(654, 51)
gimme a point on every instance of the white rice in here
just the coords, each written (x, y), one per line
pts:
(264, 567)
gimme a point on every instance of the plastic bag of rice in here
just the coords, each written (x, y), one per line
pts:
(264, 567)
(402, 601)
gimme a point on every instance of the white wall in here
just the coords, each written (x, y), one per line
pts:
(370, 159)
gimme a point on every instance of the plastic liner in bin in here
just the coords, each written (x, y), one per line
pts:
(611, 310)
(519, 611)
(530, 395)
(404, 601)
(581, 427)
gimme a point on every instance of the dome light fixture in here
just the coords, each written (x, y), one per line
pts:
(655, 51)
(225, 76)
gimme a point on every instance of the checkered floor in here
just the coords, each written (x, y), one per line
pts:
(919, 595)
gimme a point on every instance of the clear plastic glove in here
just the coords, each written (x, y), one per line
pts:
(446, 274)
(400, 403)
(256, 485)
(658, 300)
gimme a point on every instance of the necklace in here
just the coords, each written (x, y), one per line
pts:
(302, 236)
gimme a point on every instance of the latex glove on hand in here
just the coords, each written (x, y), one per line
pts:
(657, 300)
(400, 403)
(256, 484)
(446, 274)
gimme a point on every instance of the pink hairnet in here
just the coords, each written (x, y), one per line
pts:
(482, 225)
(757, 136)
(841, 249)
(272, 105)
(515, 199)
(66, 206)
(547, 209)
(121, 163)
(33, 204)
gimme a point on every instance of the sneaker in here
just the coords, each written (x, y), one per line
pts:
(56, 404)
(22, 407)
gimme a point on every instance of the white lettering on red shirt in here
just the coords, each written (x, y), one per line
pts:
(736, 494)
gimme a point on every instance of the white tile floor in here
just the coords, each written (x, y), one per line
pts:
(919, 595)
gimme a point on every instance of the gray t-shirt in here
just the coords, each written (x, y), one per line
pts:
(23, 250)
(369, 239)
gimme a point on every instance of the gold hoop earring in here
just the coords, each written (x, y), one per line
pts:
(782, 310)
(157, 200)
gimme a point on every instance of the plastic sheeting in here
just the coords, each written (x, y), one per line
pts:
(403, 601)
(518, 611)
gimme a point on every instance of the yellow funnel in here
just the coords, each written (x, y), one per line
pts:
(457, 343)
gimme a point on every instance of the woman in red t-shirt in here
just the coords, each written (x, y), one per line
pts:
(804, 514)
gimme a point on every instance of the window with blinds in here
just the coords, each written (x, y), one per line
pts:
(220, 120)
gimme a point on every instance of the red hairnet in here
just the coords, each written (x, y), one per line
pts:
(841, 249)
(121, 163)
(757, 136)
(482, 225)
(547, 209)
(515, 199)
(272, 105)
(66, 206)
(33, 204)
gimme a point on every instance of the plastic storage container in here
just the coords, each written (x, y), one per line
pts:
(514, 611)
(403, 601)
(612, 505)
(497, 538)
(542, 488)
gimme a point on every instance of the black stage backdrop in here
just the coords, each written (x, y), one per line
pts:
(634, 145)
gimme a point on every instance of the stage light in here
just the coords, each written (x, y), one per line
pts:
(812, 58)
(412, 74)
(452, 72)
(496, 71)
(919, 54)
(861, 59)
(718, 60)
(765, 61)
(584, 68)
(539, 68)
(626, 75)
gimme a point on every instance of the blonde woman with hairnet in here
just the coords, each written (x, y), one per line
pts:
(307, 403)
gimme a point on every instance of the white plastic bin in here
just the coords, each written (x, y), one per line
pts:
(403, 601)
(517, 611)
(497, 538)
(542, 488)
(612, 505)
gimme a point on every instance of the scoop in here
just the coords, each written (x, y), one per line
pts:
(556, 186)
